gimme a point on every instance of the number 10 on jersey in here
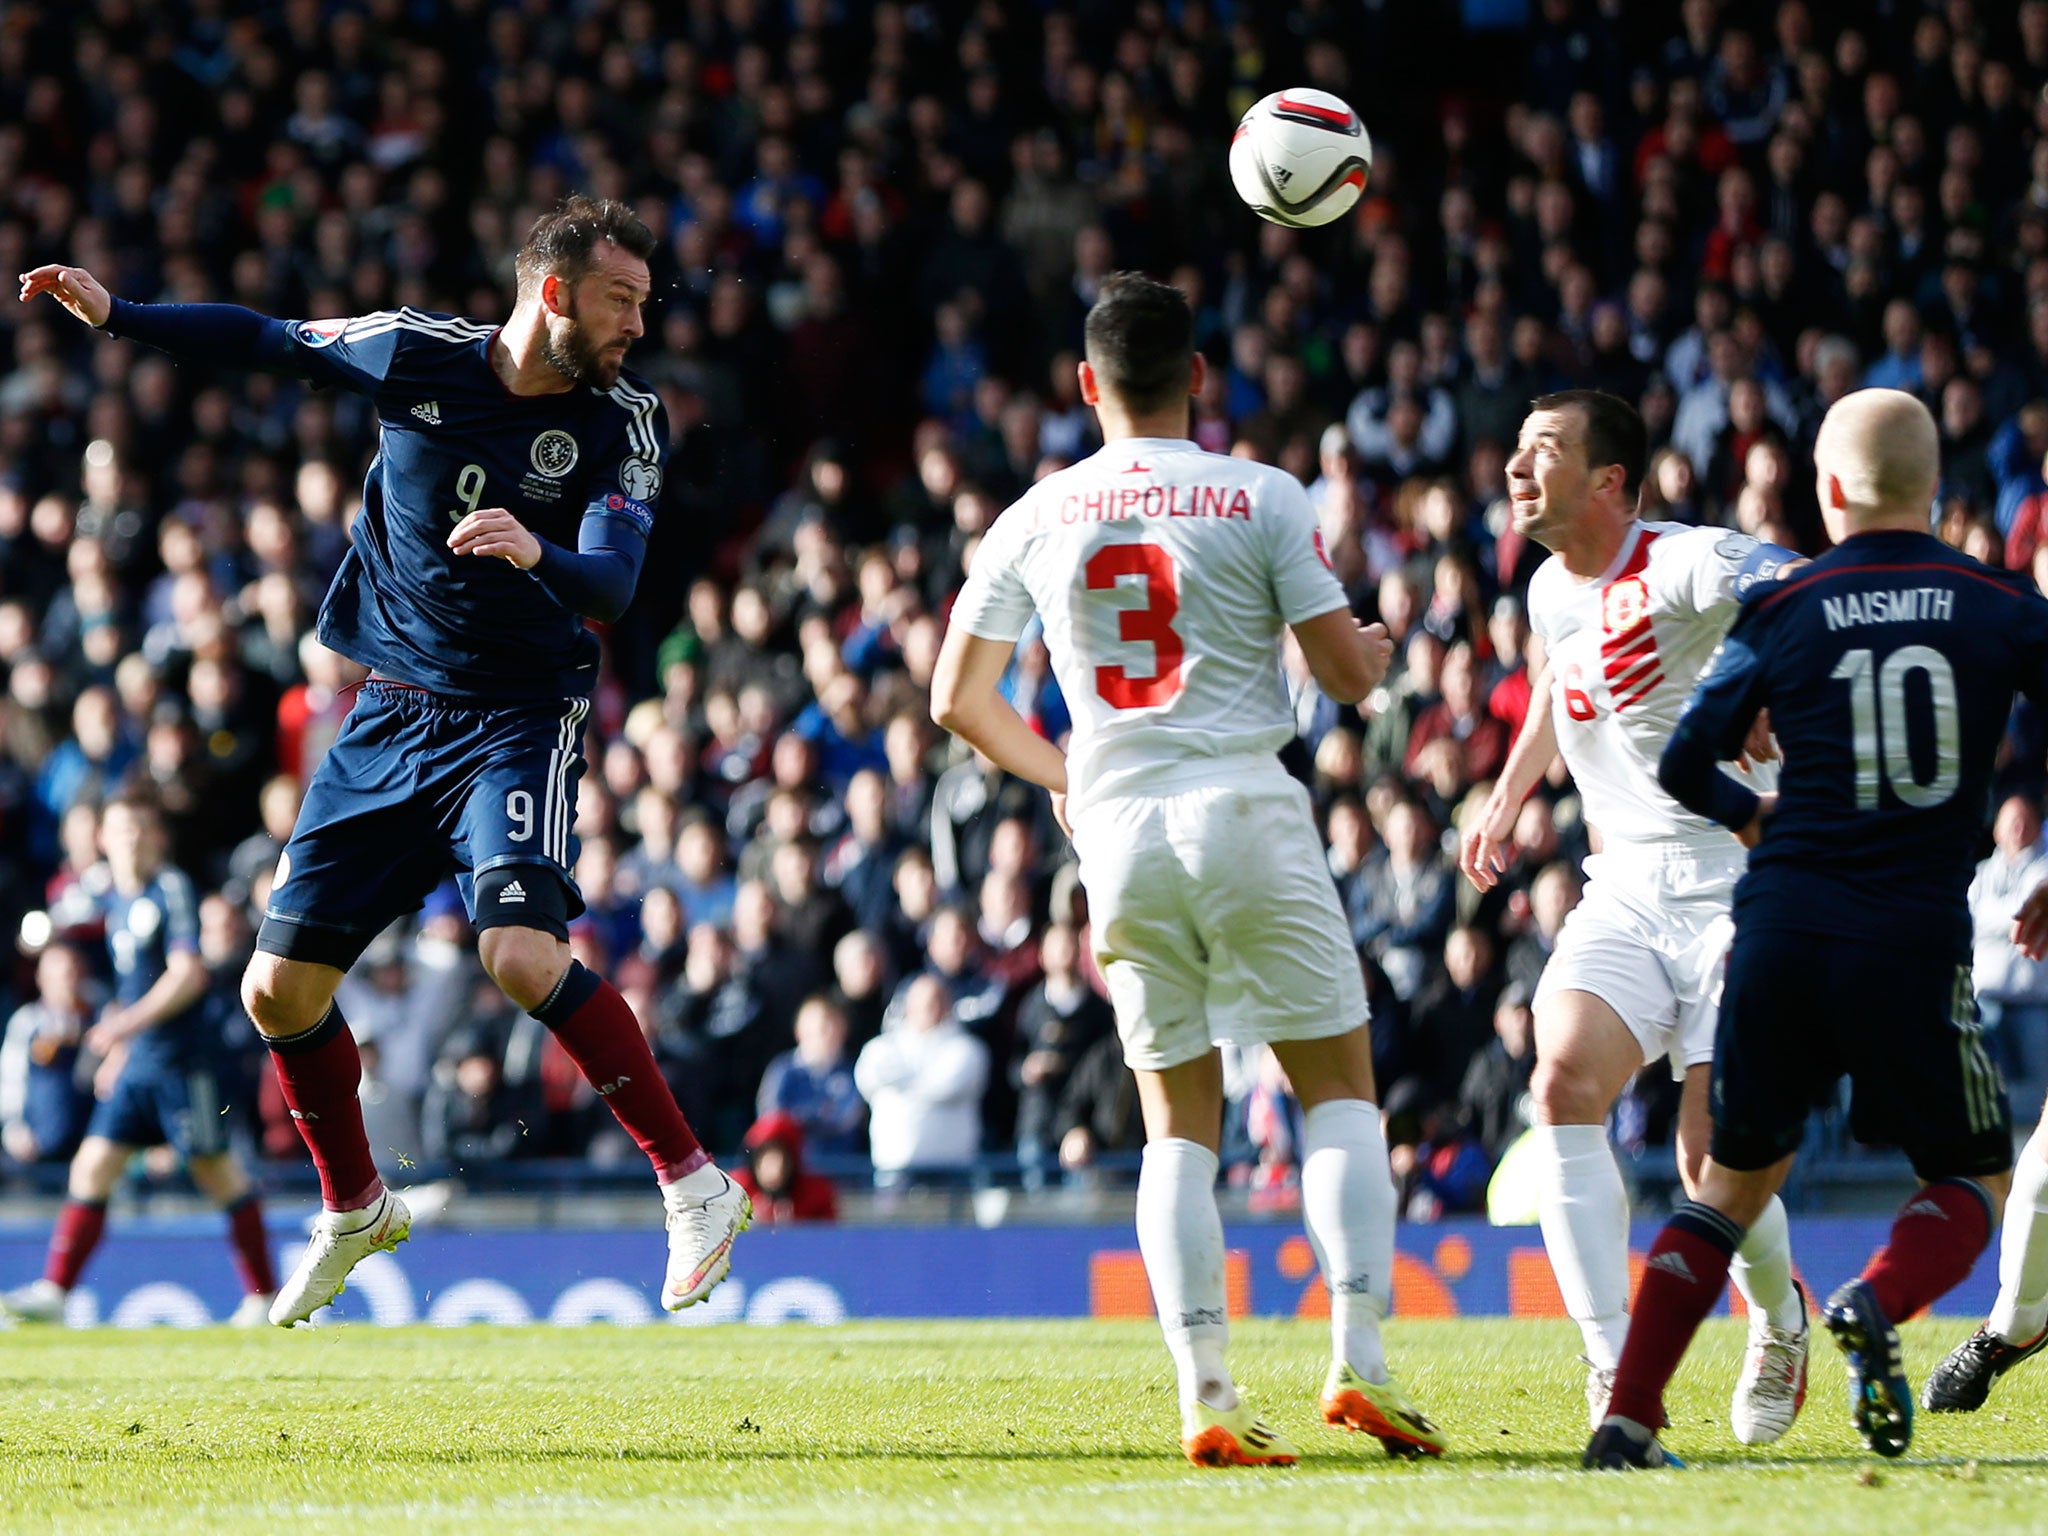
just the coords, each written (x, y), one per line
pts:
(1151, 624)
(1877, 712)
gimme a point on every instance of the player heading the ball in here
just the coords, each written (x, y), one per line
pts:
(514, 488)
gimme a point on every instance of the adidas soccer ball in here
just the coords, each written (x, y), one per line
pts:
(1300, 158)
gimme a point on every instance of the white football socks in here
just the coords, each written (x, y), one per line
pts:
(1762, 1271)
(1347, 1201)
(1584, 1212)
(2021, 1311)
(1180, 1236)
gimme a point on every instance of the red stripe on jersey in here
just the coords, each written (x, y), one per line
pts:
(1640, 693)
(1630, 642)
(1639, 556)
(1622, 678)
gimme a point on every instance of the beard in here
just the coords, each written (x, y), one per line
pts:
(572, 353)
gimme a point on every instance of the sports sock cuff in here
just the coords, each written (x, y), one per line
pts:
(576, 988)
(1329, 1119)
(1982, 1195)
(1177, 1149)
(1708, 1225)
(331, 1023)
(90, 1205)
(1573, 1140)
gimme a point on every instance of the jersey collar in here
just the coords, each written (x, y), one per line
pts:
(1622, 554)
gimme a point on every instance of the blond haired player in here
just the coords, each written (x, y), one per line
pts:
(1630, 614)
(1164, 576)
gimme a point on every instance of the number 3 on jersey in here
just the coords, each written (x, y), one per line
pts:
(1151, 624)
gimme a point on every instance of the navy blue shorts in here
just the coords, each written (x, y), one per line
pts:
(1800, 1011)
(164, 1104)
(420, 785)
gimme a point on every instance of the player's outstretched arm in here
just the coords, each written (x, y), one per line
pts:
(73, 287)
(1482, 851)
(966, 700)
(217, 333)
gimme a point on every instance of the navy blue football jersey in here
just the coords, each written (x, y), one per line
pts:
(143, 930)
(1888, 667)
(453, 440)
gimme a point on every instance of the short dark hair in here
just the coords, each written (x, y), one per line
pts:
(140, 798)
(1140, 337)
(563, 241)
(1614, 432)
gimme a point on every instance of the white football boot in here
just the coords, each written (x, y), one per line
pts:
(1772, 1387)
(40, 1301)
(341, 1241)
(700, 1236)
(1599, 1388)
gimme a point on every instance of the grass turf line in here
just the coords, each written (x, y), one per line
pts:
(895, 1428)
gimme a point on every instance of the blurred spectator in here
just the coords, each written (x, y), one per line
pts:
(485, 1099)
(1059, 1022)
(1453, 1016)
(1461, 717)
(923, 1081)
(775, 1177)
(1098, 1111)
(1406, 900)
(1493, 1100)
(2012, 991)
(812, 1085)
(1552, 896)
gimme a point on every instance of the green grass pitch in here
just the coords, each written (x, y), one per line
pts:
(897, 1428)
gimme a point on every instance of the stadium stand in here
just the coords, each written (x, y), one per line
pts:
(880, 227)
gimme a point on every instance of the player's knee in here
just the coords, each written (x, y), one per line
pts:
(95, 1168)
(219, 1177)
(1564, 1095)
(274, 1004)
(524, 962)
(1692, 1167)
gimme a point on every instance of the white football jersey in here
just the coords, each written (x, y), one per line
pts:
(1163, 575)
(1625, 650)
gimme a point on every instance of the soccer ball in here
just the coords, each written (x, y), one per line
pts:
(1300, 158)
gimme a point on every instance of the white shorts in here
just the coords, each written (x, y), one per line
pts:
(1649, 939)
(1214, 918)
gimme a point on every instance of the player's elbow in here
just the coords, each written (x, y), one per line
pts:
(949, 711)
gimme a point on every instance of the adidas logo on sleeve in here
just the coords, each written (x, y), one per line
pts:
(512, 894)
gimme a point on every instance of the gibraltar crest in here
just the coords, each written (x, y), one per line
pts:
(1623, 605)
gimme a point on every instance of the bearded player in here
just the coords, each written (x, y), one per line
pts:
(509, 501)
(1629, 613)
(1164, 576)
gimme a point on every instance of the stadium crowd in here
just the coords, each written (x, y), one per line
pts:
(881, 225)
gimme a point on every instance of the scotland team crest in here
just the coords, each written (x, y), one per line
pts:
(554, 453)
